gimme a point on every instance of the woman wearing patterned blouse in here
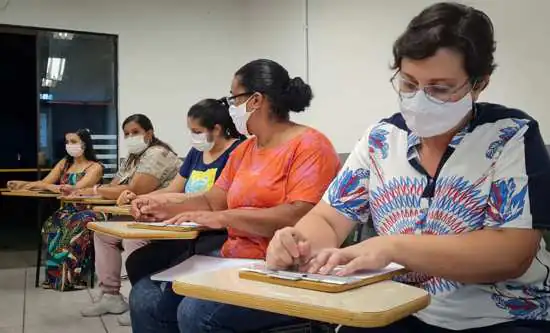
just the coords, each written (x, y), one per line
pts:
(457, 190)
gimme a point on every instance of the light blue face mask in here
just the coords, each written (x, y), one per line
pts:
(427, 118)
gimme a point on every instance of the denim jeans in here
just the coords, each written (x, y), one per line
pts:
(155, 308)
(200, 316)
(162, 254)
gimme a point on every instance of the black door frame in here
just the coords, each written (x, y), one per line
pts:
(34, 31)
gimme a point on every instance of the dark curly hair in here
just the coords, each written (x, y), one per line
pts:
(450, 25)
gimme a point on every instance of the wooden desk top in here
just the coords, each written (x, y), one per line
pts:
(114, 210)
(25, 170)
(376, 305)
(88, 200)
(120, 230)
(29, 194)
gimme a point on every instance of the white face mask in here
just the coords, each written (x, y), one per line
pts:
(136, 144)
(200, 142)
(74, 150)
(427, 118)
(240, 117)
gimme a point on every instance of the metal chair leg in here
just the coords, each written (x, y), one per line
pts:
(92, 259)
(40, 244)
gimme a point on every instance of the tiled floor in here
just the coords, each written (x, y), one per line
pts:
(17, 259)
(24, 308)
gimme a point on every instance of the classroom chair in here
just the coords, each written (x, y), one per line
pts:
(359, 233)
(50, 208)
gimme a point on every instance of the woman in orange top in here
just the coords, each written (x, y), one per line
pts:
(271, 181)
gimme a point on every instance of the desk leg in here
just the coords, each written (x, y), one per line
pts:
(192, 247)
(40, 244)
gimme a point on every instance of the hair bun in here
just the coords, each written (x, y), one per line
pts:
(223, 101)
(298, 95)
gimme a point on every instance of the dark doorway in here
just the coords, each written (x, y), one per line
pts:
(51, 83)
(18, 95)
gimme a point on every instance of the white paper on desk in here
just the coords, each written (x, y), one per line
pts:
(367, 274)
(200, 264)
(331, 278)
(164, 224)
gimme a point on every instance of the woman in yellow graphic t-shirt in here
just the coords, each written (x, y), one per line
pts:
(213, 138)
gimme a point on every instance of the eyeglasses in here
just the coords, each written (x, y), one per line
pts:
(439, 94)
(230, 100)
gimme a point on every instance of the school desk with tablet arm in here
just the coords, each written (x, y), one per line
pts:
(41, 196)
(185, 226)
(139, 230)
(30, 193)
(123, 210)
(370, 305)
(87, 200)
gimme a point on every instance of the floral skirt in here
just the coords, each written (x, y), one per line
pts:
(69, 246)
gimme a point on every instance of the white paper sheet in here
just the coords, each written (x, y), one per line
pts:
(163, 224)
(200, 264)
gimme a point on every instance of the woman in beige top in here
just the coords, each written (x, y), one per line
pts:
(150, 165)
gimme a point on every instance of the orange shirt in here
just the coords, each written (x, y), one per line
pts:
(299, 170)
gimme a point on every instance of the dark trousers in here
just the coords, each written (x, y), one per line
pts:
(163, 254)
(413, 325)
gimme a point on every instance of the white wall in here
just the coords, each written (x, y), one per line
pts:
(173, 53)
(275, 29)
(350, 54)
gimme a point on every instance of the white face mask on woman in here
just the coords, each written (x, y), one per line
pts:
(240, 117)
(200, 142)
(74, 150)
(136, 144)
(427, 118)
